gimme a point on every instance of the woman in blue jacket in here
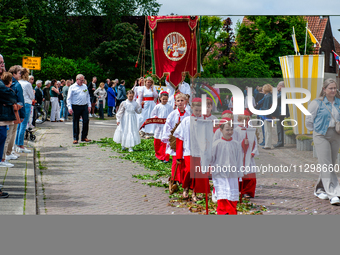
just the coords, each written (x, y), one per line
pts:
(111, 100)
(325, 112)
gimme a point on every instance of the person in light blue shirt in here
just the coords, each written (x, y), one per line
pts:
(325, 113)
(79, 104)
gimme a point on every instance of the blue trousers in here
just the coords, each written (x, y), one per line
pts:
(3, 136)
(19, 140)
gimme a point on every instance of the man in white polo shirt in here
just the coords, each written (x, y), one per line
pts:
(79, 104)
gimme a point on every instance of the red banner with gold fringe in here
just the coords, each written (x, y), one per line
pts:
(174, 45)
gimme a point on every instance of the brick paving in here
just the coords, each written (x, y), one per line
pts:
(86, 180)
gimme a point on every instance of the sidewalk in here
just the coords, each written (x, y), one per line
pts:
(19, 182)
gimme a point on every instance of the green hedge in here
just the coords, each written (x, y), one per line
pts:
(303, 137)
(289, 132)
(64, 68)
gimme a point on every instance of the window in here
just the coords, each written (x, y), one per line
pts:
(331, 59)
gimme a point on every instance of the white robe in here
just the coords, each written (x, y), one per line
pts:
(160, 111)
(148, 106)
(240, 136)
(168, 126)
(127, 131)
(225, 154)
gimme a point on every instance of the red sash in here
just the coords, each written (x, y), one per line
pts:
(148, 98)
(153, 121)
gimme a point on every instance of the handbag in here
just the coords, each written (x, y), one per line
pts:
(337, 123)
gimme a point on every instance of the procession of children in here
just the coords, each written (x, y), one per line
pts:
(202, 147)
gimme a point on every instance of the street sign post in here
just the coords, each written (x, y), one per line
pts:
(32, 63)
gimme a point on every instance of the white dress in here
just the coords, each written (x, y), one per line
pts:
(127, 131)
(170, 123)
(148, 106)
(138, 115)
(226, 154)
(160, 111)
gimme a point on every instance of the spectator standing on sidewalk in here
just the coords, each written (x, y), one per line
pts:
(111, 100)
(16, 87)
(325, 112)
(6, 111)
(79, 104)
(54, 93)
(121, 94)
(278, 115)
(101, 94)
(47, 97)
(267, 104)
(28, 98)
(65, 92)
(7, 99)
(91, 88)
(61, 97)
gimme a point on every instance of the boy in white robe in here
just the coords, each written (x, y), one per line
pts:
(161, 110)
(174, 117)
(186, 143)
(226, 170)
(248, 183)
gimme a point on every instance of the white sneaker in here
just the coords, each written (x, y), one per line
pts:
(6, 164)
(15, 154)
(335, 201)
(322, 195)
(9, 157)
(23, 150)
(90, 115)
(95, 115)
(130, 150)
(38, 121)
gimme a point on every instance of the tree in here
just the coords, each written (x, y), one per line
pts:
(14, 42)
(118, 56)
(268, 38)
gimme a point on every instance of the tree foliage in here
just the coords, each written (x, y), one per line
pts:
(266, 39)
(119, 55)
(14, 42)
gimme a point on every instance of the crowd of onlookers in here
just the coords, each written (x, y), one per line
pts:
(19, 95)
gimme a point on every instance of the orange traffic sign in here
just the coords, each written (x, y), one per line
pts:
(32, 63)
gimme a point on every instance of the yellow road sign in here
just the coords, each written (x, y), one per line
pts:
(32, 63)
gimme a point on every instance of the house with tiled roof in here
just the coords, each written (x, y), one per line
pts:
(320, 27)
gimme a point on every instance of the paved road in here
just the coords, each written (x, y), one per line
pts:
(86, 180)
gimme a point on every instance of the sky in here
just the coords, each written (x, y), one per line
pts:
(238, 8)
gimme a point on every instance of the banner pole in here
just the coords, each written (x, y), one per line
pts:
(306, 39)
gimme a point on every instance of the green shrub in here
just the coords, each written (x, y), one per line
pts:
(64, 68)
(303, 137)
(287, 128)
(289, 132)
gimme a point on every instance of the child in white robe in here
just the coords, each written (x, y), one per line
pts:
(218, 133)
(174, 117)
(161, 110)
(209, 116)
(226, 170)
(146, 98)
(187, 147)
(248, 184)
(127, 131)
